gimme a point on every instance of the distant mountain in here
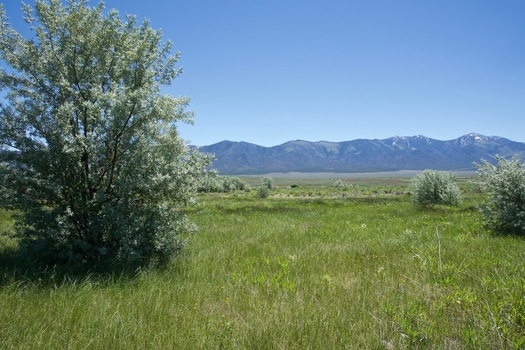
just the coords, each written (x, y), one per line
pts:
(395, 153)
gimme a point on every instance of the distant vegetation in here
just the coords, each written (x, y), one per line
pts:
(211, 182)
(267, 182)
(342, 185)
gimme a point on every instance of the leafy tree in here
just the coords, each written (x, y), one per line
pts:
(505, 182)
(435, 187)
(90, 152)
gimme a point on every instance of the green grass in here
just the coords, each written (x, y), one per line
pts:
(309, 267)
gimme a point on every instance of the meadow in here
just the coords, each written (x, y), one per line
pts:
(310, 267)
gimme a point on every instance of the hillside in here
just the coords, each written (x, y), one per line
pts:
(362, 155)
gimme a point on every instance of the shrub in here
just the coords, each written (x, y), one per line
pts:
(213, 183)
(210, 183)
(267, 182)
(505, 183)
(263, 192)
(234, 183)
(435, 187)
(340, 184)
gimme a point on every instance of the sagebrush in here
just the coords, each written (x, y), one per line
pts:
(436, 187)
(505, 184)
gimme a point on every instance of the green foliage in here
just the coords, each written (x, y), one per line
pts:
(6, 221)
(231, 184)
(90, 153)
(267, 182)
(210, 183)
(213, 183)
(341, 185)
(436, 187)
(505, 182)
(263, 192)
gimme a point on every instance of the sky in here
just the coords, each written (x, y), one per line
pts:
(271, 71)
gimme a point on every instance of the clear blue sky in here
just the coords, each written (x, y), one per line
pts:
(270, 71)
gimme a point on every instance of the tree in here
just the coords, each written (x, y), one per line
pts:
(90, 153)
(435, 187)
(505, 182)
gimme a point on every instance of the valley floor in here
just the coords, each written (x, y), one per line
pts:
(310, 267)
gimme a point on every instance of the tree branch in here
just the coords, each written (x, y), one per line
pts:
(116, 146)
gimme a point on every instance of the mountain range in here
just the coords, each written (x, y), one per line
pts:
(361, 155)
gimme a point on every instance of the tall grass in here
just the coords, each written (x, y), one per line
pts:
(318, 270)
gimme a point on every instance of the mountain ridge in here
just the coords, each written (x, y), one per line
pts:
(360, 155)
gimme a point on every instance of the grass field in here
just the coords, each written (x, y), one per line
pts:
(310, 267)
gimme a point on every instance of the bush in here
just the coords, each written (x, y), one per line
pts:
(341, 185)
(435, 187)
(263, 192)
(231, 184)
(210, 183)
(505, 183)
(267, 182)
(213, 183)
